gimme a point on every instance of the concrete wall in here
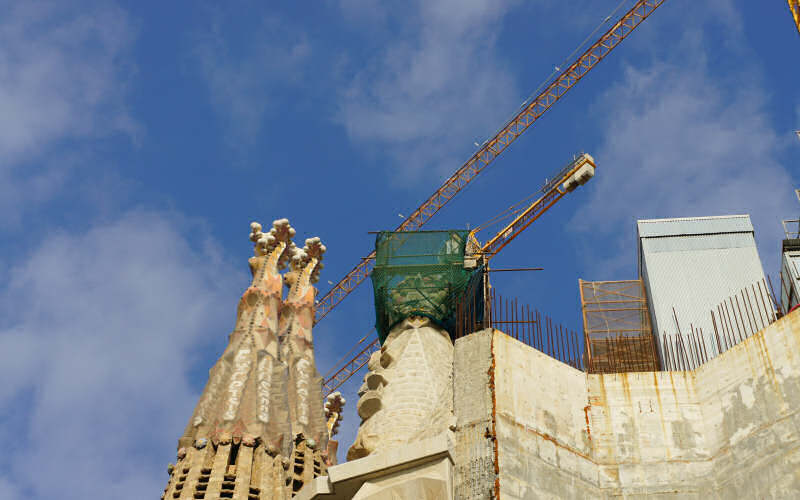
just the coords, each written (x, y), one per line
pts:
(475, 473)
(729, 429)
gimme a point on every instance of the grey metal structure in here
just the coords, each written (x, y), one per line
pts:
(790, 264)
(690, 265)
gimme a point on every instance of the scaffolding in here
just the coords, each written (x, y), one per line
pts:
(421, 273)
(616, 327)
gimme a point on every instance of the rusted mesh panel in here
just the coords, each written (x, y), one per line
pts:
(616, 326)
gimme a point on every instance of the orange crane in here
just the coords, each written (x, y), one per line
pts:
(486, 153)
(492, 148)
(794, 6)
(576, 173)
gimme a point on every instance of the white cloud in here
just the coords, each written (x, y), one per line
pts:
(681, 140)
(99, 332)
(244, 81)
(62, 77)
(436, 88)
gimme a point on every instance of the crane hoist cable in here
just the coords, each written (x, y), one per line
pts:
(495, 146)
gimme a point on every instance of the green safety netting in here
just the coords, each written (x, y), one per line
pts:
(421, 273)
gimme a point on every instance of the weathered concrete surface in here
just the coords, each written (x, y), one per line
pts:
(421, 470)
(542, 434)
(527, 427)
(730, 429)
(474, 450)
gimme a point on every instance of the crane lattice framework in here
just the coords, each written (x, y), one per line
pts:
(485, 154)
(794, 6)
(576, 173)
(493, 147)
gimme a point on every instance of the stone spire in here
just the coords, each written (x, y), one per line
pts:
(261, 409)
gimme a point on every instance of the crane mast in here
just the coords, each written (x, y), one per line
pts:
(493, 147)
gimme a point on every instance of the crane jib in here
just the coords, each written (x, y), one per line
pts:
(497, 144)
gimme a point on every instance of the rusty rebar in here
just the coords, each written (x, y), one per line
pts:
(767, 311)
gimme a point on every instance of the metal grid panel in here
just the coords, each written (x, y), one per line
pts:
(616, 327)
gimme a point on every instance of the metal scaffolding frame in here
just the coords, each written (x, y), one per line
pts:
(616, 327)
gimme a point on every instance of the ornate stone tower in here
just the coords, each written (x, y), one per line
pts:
(259, 430)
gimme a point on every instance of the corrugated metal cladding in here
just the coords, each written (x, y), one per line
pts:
(694, 225)
(692, 265)
(790, 279)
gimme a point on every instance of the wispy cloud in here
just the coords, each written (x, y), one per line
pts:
(245, 80)
(677, 140)
(437, 83)
(97, 337)
(61, 78)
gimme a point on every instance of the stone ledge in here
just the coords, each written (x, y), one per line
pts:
(344, 480)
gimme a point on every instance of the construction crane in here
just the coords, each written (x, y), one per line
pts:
(492, 148)
(794, 6)
(576, 173)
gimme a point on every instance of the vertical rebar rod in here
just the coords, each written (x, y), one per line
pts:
(575, 348)
(728, 331)
(758, 307)
(538, 329)
(750, 315)
(743, 331)
(716, 332)
(703, 339)
(767, 311)
(744, 325)
(730, 323)
(557, 336)
(670, 350)
(701, 344)
(628, 353)
(771, 295)
(674, 350)
(527, 324)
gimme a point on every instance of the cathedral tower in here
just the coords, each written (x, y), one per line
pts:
(259, 430)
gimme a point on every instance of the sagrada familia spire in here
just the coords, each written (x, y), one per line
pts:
(259, 430)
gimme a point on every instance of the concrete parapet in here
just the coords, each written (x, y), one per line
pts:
(527, 426)
(730, 428)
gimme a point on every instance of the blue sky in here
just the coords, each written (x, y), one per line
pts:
(139, 139)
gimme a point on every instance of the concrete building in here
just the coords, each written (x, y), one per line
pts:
(528, 426)
(692, 265)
